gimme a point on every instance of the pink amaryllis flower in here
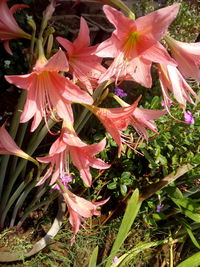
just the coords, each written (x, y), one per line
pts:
(9, 29)
(143, 119)
(9, 147)
(135, 44)
(115, 120)
(171, 79)
(83, 64)
(48, 91)
(82, 155)
(80, 208)
(187, 56)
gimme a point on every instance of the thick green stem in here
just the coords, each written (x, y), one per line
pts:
(36, 139)
(13, 131)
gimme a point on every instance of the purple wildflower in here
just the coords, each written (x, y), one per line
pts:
(65, 179)
(188, 117)
(120, 92)
(115, 260)
(159, 208)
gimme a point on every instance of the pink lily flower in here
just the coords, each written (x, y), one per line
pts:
(144, 118)
(135, 44)
(9, 147)
(83, 64)
(187, 56)
(80, 208)
(171, 79)
(82, 156)
(9, 29)
(115, 120)
(48, 91)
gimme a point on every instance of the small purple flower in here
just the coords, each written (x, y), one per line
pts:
(119, 92)
(188, 117)
(169, 103)
(159, 208)
(65, 179)
(115, 260)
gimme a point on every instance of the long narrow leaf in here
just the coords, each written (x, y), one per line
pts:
(93, 258)
(132, 210)
(193, 261)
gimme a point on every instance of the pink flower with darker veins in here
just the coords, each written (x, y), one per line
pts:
(134, 45)
(115, 120)
(82, 155)
(187, 56)
(143, 119)
(9, 147)
(83, 64)
(172, 80)
(80, 208)
(9, 29)
(48, 92)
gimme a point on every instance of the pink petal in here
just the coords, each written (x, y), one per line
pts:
(16, 7)
(57, 62)
(83, 39)
(157, 53)
(155, 24)
(68, 46)
(21, 81)
(117, 18)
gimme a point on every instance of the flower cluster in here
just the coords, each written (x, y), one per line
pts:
(133, 47)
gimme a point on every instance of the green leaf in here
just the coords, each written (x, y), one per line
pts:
(193, 261)
(123, 189)
(174, 192)
(125, 175)
(132, 210)
(155, 102)
(93, 258)
(188, 204)
(192, 237)
(112, 186)
(194, 216)
(196, 159)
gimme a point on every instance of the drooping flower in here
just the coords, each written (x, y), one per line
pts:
(80, 208)
(9, 147)
(82, 155)
(48, 91)
(144, 118)
(9, 29)
(83, 64)
(188, 118)
(171, 79)
(135, 44)
(187, 56)
(115, 120)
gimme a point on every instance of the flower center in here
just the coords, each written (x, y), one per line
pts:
(130, 44)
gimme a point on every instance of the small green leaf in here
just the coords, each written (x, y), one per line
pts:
(123, 189)
(125, 175)
(112, 186)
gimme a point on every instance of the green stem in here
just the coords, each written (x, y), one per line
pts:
(85, 115)
(34, 143)
(19, 141)
(13, 131)
(47, 201)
